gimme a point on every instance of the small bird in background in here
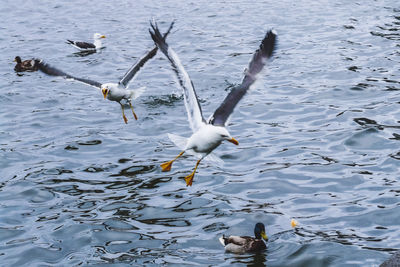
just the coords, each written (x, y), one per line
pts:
(26, 65)
(85, 47)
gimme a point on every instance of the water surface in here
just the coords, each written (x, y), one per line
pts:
(319, 136)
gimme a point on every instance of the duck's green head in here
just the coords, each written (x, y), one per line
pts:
(259, 231)
(17, 59)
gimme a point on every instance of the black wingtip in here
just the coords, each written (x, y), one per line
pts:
(169, 29)
(158, 39)
(49, 70)
(268, 44)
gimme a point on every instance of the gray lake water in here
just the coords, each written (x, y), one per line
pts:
(319, 135)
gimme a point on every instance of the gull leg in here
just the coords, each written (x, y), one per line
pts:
(134, 114)
(189, 178)
(166, 167)
(123, 114)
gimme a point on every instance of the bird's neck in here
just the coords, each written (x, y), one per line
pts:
(97, 43)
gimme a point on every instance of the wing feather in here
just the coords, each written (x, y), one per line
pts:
(52, 71)
(82, 45)
(192, 104)
(256, 64)
(141, 61)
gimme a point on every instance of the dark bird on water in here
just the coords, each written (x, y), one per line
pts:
(26, 65)
(243, 244)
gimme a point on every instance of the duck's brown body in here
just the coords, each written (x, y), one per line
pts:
(26, 65)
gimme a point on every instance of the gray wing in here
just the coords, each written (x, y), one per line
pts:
(141, 61)
(82, 45)
(256, 64)
(52, 71)
(192, 104)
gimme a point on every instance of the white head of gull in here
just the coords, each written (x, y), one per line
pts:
(208, 135)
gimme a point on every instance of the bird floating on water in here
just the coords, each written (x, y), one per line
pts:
(243, 244)
(84, 46)
(112, 91)
(208, 135)
(26, 65)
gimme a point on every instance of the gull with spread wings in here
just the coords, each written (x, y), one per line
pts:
(208, 135)
(112, 91)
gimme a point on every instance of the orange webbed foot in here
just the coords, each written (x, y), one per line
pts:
(166, 167)
(189, 179)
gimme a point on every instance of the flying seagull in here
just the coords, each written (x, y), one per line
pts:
(84, 46)
(208, 135)
(112, 91)
(26, 65)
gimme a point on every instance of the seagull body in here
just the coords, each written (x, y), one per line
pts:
(117, 92)
(207, 138)
(112, 91)
(84, 46)
(208, 135)
(26, 65)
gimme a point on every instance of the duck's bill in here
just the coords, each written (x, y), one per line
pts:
(264, 236)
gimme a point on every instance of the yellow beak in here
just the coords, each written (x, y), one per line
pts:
(103, 36)
(264, 236)
(233, 141)
(105, 94)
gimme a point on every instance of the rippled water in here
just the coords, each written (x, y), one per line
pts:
(319, 136)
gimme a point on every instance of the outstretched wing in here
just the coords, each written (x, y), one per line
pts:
(141, 61)
(256, 64)
(52, 71)
(192, 104)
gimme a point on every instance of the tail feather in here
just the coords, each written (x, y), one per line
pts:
(179, 141)
(137, 92)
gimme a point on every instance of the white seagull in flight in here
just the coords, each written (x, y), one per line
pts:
(112, 91)
(208, 135)
(85, 47)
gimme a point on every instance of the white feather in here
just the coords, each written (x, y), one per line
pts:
(138, 92)
(179, 141)
(221, 240)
